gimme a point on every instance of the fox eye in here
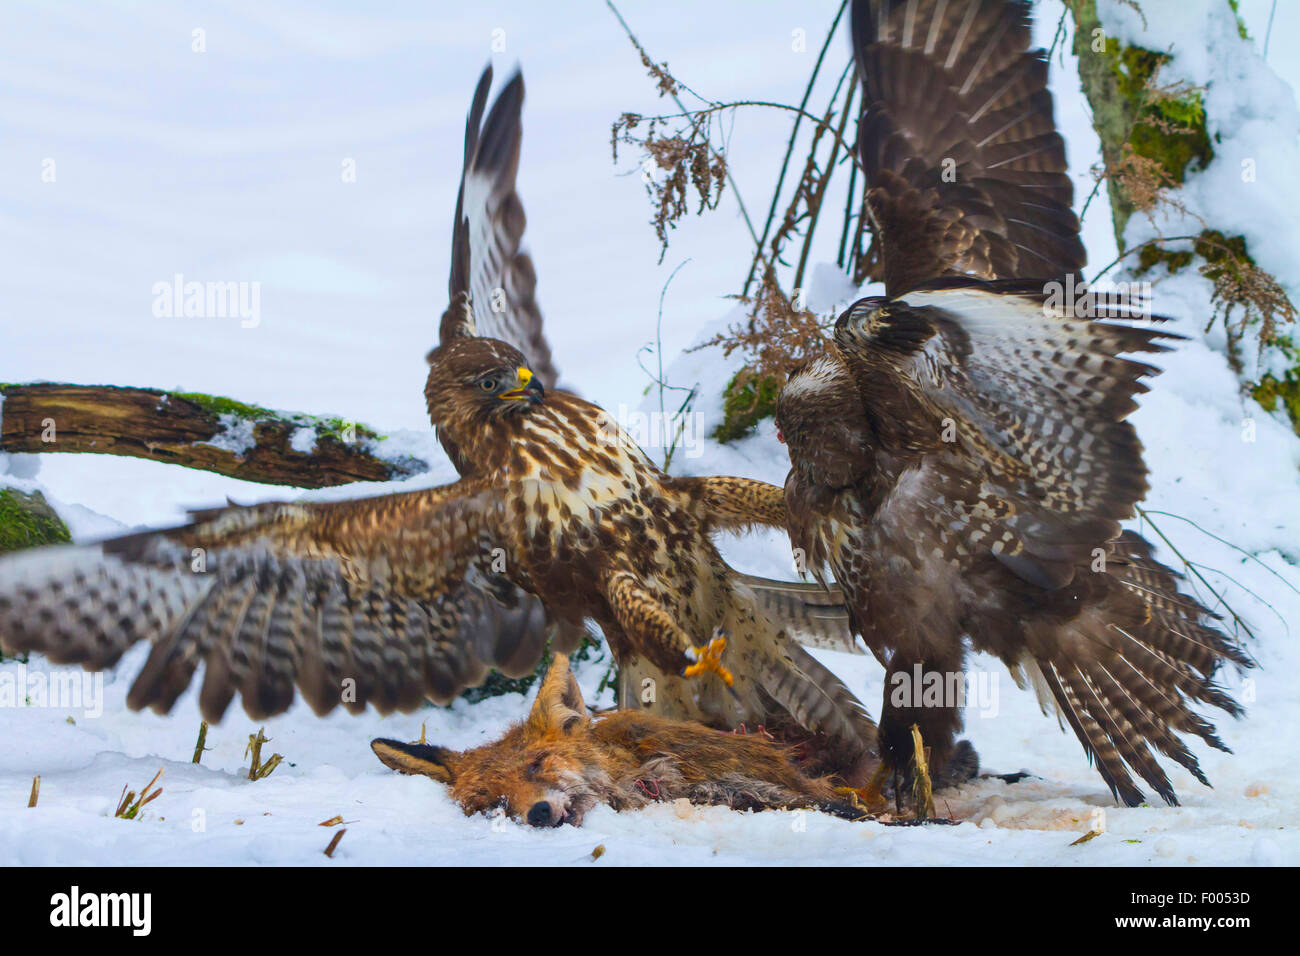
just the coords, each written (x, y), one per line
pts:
(535, 765)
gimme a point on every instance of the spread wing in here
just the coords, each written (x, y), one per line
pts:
(1025, 409)
(966, 174)
(811, 614)
(385, 600)
(492, 285)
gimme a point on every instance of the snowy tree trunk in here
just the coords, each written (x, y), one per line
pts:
(1195, 130)
(198, 431)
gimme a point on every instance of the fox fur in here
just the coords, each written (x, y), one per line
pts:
(559, 763)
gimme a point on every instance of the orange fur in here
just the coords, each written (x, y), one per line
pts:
(560, 762)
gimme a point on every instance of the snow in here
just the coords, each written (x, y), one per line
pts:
(1250, 188)
(303, 440)
(225, 166)
(236, 435)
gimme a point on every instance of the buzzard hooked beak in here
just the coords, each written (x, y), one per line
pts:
(528, 389)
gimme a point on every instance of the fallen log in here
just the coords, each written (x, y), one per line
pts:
(198, 431)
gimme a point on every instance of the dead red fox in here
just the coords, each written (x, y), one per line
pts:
(561, 762)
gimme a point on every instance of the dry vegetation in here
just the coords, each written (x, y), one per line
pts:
(1154, 135)
(685, 158)
(776, 336)
(684, 153)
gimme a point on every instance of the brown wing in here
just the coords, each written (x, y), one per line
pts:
(811, 614)
(984, 505)
(384, 600)
(492, 284)
(1031, 403)
(966, 173)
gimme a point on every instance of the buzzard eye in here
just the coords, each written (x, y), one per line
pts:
(488, 384)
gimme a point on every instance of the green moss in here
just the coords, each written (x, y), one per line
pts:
(1241, 24)
(1152, 256)
(1222, 254)
(219, 405)
(1219, 252)
(1175, 151)
(328, 429)
(745, 402)
(1273, 393)
(334, 428)
(1115, 82)
(27, 521)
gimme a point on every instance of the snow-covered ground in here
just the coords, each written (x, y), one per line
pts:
(226, 165)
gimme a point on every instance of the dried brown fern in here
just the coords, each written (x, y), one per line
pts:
(685, 157)
(776, 337)
(1244, 289)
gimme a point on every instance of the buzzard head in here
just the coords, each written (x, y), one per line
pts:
(821, 420)
(859, 326)
(476, 382)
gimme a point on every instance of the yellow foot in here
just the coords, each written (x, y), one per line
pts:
(709, 658)
(873, 793)
(922, 789)
(861, 798)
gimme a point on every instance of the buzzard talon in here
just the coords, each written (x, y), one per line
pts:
(922, 788)
(862, 799)
(709, 658)
(873, 794)
(912, 777)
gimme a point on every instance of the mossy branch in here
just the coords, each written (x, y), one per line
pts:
(211, 433)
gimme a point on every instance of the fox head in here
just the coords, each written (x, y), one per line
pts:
(546, 771)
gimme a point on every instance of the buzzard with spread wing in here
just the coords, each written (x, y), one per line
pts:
(558, 518)
(960, 456)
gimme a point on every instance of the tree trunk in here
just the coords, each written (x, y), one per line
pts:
(197, 431)
(1141, 132)
(1152, 136)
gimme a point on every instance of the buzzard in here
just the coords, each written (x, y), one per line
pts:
(959, 456)
(558, 518)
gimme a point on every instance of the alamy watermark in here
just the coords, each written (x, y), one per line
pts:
(21, 686)
(208, 300)
(132, 911)
(917, 688)
(1069, 298)
(682, 431)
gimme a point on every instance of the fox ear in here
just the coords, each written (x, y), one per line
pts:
(436, 762)
(559, 704)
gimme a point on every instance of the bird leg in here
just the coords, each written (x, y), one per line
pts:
(872, 795)
(709, 658)
(874, 791)
(922, 788)
(905, 762)
(643, 615)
